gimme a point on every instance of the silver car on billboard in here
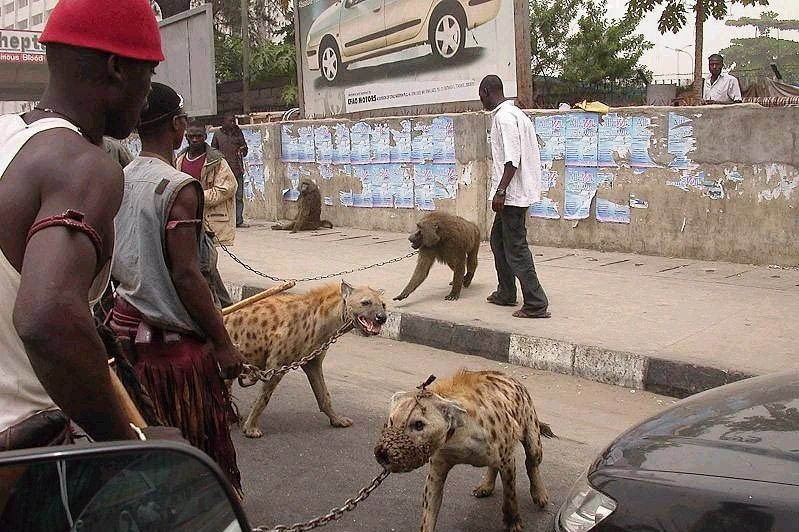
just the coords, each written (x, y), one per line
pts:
(354, 30)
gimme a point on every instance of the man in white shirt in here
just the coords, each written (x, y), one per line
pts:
(516, 186)
(721, 87)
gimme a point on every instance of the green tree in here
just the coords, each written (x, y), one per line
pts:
(755, 55)
(769, 20)
(605, 50)
(549, 28)
(674, 16)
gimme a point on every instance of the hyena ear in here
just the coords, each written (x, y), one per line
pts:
(396, 399)
(346, 289)
(454, 413)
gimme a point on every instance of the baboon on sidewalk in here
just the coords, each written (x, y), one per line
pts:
(450, 240)
(309, 209)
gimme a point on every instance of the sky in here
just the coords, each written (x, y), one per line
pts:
(664, 62)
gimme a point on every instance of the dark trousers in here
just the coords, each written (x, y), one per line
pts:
(240, 200)
(513, 260)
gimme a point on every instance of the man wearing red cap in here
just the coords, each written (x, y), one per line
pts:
(59, 193)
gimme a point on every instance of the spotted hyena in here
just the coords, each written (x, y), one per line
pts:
(283, 328)
(474, 418)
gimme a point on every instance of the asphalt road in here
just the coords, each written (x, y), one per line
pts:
(303, 467)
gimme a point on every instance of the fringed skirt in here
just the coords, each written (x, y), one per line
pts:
(188, 392)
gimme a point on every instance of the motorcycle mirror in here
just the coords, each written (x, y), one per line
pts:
(152, 486)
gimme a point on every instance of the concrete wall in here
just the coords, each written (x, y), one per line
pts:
(719, 182)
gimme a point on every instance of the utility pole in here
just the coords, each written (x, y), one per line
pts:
(245, 55)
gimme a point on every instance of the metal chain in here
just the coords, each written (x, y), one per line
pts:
(251, 374)
(318, 277)
(333, 515)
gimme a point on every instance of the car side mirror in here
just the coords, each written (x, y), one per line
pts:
(152, 486)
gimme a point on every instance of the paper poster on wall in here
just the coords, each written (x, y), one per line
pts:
(550, 131)
(681, 142)
(289, 144)
(360, 55)
(546, 208)
(401, 146)
(341, 144)
(323, 142)
(581, 139)
(580, 188)
(607, 211)
(253, 163)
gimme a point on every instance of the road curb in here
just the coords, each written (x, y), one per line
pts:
(632, 370)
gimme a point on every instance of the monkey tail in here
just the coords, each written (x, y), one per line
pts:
(326, 223)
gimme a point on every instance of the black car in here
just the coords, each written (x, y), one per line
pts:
(725, 460)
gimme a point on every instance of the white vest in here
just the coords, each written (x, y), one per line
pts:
(21, 393)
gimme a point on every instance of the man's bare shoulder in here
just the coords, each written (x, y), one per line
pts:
(62, 158)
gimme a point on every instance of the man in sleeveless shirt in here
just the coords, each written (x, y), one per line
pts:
(59, 193)
(164, 312)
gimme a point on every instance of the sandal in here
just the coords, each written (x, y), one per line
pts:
(526, 314)
(496, 301)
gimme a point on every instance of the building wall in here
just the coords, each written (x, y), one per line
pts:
(25, 14)
(717, 183)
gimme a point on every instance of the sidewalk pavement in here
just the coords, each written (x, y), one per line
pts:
(673, 326)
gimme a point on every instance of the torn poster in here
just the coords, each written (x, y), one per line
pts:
(289, 145)
(580, 188)
(328, 200)
(637, 203)
(581, 139)
(609, 212)
(546, 208)
(550, 130)
(681, 142)
(442, 132)
(253, 163)
(380, 147)
(360, 143)
(323, 141)
(401, 148)
(345, 197)
(341, 144)
(305, 145)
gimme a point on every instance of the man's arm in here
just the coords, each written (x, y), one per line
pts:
(51, 312)
(244, 148)
(192, 288)
(224, 186)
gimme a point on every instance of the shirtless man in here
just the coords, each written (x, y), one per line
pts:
(59, 193)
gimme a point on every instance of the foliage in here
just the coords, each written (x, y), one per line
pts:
(549, 29)
(768, 20)
(755, 56)
(605, 51)
(674, 15)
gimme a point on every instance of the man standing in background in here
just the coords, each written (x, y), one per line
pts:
(516, 186)
(230, 141)
(720, 87)
(208, 166)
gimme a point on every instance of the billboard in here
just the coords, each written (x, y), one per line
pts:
(363, 55)
(17, 46)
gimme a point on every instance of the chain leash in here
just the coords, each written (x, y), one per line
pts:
(251, 374)
(333, 515)
(318, 277)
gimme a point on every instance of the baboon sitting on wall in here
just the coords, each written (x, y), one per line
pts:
(309, 209)
(450, 240)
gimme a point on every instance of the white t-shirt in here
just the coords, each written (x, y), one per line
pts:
(513, 140)
(724, 90)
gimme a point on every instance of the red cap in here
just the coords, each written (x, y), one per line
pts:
(123, 27)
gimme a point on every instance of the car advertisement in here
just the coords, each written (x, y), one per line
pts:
(363, 55)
